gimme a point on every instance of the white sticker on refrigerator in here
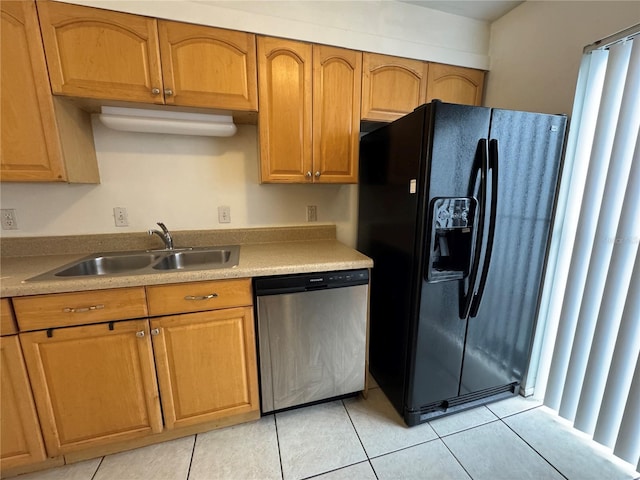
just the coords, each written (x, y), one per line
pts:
(412, 185)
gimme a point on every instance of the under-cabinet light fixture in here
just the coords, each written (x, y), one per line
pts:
(162, 121)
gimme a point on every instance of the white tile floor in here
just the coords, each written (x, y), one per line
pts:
(366, 439)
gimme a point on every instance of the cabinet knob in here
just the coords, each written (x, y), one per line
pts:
(155, 331)
(308, 174)
(168, 92)
(140, 334)
(155, 91)
(318, 174)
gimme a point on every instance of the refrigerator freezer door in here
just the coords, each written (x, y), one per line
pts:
(456, 137)
(499, 336)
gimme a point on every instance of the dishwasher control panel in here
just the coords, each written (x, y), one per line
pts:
(305, 282)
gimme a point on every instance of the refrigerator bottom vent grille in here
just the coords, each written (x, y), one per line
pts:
(469, 400)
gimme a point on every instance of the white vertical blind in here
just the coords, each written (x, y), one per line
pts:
(589, 362)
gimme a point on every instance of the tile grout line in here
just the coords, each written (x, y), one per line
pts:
(456, 458)
(97, 468)
(530, 446)
(193, 451)
(359, 439)
(275, 422)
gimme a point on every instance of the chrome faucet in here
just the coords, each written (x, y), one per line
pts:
(164, 235)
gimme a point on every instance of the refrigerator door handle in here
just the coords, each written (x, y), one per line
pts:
(493, 165)
(466, 299)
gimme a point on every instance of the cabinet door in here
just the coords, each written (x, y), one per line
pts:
(391, 86)
(95, 53)
(455, 84)
(93, 385)
(21, 441)
(30, 148)
(208, 67)
(206, 365)
(337, 75)
(284, 114)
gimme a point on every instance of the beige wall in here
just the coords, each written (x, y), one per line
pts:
(536, 48)
(182, 180)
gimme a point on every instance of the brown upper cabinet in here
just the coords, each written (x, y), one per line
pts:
(42, 139)
(391, 86)
(394, 86)
(455, 84)
(101, 54)
(308, 112)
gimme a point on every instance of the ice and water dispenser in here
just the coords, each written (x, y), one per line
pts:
(452, 222)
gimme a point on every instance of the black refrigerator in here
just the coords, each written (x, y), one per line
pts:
(455, 208)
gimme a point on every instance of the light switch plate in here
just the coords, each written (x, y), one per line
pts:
(120, 216)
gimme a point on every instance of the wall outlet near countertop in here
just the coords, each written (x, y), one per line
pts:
(312, 213)
(9, 219)
(120, 216)
(224, 214)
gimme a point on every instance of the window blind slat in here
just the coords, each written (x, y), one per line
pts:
(627, 347)
(571, 296)
(607, 212)
(616, 290)
(628, 442)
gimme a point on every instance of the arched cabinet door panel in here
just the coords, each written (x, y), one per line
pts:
(94, 53)
(336, 114)
(455, 84)
(208, 67)
(391, 86)
(284, 113)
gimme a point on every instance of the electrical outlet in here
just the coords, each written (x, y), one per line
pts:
(9, 219)
(120, 216)
(312, 213)
(224, 214)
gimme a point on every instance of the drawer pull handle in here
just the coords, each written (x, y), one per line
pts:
(155, 331)
(201, 297)
(140, 334)
(83, 309)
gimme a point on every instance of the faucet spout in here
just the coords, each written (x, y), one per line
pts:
(165, 235)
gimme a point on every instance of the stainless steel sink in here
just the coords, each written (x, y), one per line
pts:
(108, 265)
(147, 262)
(219, 258)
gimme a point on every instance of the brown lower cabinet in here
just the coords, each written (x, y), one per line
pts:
(21, 442)
(93, 384)
(99, 382)
(214, 350)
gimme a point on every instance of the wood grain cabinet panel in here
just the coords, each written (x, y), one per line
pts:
(20, 441)
(93, 385)
(391, 86)
(308, 112)
(208, 67)
(207, 366)
(7, 319)
(336, 119)
(455, 84)
(94, 53)
(198, 296)
(284, 112)
(79, 308)
(41, 140)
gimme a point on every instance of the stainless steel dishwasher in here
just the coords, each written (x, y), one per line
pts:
(312, 331)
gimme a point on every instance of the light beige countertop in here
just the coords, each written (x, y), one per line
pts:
(316, 254)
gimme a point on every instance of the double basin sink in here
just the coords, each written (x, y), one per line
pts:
(146, 262)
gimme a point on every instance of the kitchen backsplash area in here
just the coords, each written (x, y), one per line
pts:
(180, 180)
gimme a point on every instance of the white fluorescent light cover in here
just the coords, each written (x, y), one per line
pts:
(163, 121)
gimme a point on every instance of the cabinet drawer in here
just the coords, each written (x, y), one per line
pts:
(7, 322)
(199, 296)
(80, 308)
